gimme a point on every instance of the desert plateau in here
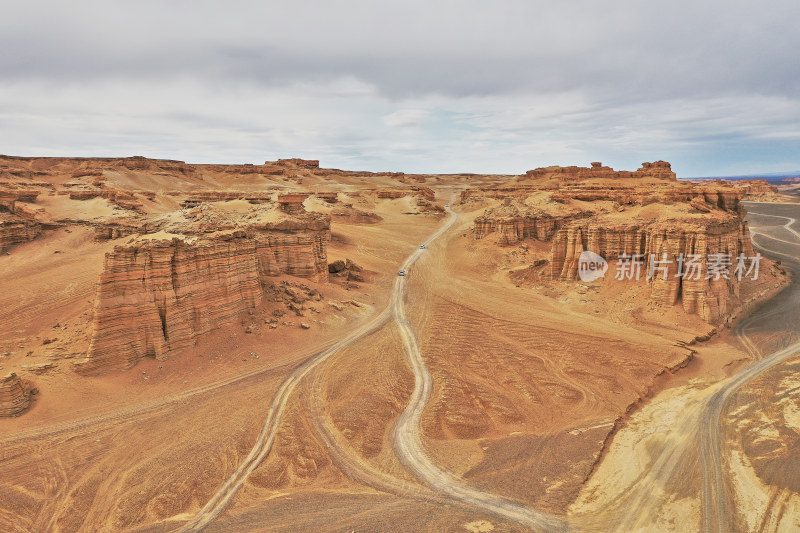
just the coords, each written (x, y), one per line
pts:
(399, 267)
(287, 347)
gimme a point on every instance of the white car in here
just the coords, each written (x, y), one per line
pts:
(401, 273)
(422, 246)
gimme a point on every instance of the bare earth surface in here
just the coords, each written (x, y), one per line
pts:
(473, 393)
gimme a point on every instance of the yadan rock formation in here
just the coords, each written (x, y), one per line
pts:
(199, 240)
(14, 398)
(161, 291)
(16, 225)
(646, 213)
(754, 190)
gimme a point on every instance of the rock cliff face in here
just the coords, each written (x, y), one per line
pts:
(297, 162)
(707, 298)
(157, 294)
(758, 190)
(14, 399)
(659, 170)
(15, 230)
(755, 187)
(123, 199)
(199, 197)
(611, 213)
(17, 224)
(514, 222)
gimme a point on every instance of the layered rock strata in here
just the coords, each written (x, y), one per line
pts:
(158, 294)
(16, 227)
(666, 244)
(14, 398)
(659, 170)
(654, 218)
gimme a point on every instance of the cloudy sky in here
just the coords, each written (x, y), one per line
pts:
(435, 86)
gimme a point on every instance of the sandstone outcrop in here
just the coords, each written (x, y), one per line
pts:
(119, 227)
(297, 162)
(611, 213)
(329, 197)
(513, 224)
(14, 398)
(347, 270)
(758, 190)
(7, 202)
(200, 197)
(155, 165)
(754, 186)
(17, 225)
(663, 242)
(659, 170)
(162, 291)
(292, 203)
(399, 192)
(123, 199)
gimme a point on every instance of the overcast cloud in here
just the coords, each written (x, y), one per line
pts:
(443, 86)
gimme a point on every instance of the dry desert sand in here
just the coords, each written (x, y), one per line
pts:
(230, 348)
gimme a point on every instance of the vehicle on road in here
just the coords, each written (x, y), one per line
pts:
(422, 246)
(447, 205)
(401, 273)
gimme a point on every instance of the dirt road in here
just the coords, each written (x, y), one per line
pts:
(715, 497)
(407, 440)
(406, 436)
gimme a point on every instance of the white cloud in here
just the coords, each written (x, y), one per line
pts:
(415, 86)
(405, 118)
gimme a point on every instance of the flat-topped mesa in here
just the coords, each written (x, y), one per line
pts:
(154, 165)
(295, 162)
(596, 180)
(399, 192)
(758, 186)
(199, 197)
(757, 190)
(659, 170)
(655, 217)
(292, 203)
(329, 197)
(14, 398)
(159, 293)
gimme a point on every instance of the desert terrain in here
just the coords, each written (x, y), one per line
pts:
(233, 348)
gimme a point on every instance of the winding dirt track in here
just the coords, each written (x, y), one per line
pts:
(408, 443)
(698, 434)
(220, 500)
(716, 505)
(406, 438)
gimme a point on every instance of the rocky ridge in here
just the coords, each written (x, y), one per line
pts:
(646, 213)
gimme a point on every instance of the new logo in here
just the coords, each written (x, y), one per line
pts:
(591, 266)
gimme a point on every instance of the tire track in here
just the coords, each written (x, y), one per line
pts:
(407, 440)
(715, 502)
(222, 498)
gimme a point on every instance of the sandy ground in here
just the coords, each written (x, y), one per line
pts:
(535, 390)
(652, 476)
